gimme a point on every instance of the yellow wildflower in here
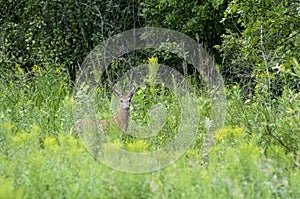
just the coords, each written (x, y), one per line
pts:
(34, 68)
(57, 70)
(218, 136)
(153, 60)
(238, 131)
(99, 90)
(19, 68)
(153, 68)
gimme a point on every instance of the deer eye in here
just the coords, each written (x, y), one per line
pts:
(121, 101)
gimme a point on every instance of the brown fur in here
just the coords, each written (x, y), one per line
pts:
(122, 118)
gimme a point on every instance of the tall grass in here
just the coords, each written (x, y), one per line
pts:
(255, 155)
(42, 98)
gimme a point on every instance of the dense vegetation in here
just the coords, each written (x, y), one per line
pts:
(256, 47)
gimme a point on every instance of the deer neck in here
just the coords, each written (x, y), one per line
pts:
(122, 118)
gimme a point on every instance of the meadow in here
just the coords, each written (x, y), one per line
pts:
(255, 45)
(255, 155)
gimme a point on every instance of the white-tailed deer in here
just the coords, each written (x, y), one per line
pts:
(121, 119)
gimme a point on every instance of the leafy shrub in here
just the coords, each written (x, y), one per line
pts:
(262, 48)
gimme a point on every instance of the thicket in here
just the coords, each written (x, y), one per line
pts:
(256, 48)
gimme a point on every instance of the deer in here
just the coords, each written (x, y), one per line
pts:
(121, 119)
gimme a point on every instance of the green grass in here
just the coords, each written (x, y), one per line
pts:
(255, 155)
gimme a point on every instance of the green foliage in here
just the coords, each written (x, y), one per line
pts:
(36, 98)
(198, 19)
(263, 49)
(63, 168)
(59, 32)
(271, 124)
(255, 155)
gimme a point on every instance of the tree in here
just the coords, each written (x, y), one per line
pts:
(60, 32)
(262, 51)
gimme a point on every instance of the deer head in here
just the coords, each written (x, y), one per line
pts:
(124, 99)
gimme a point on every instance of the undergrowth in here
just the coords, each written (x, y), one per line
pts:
(255, 155)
